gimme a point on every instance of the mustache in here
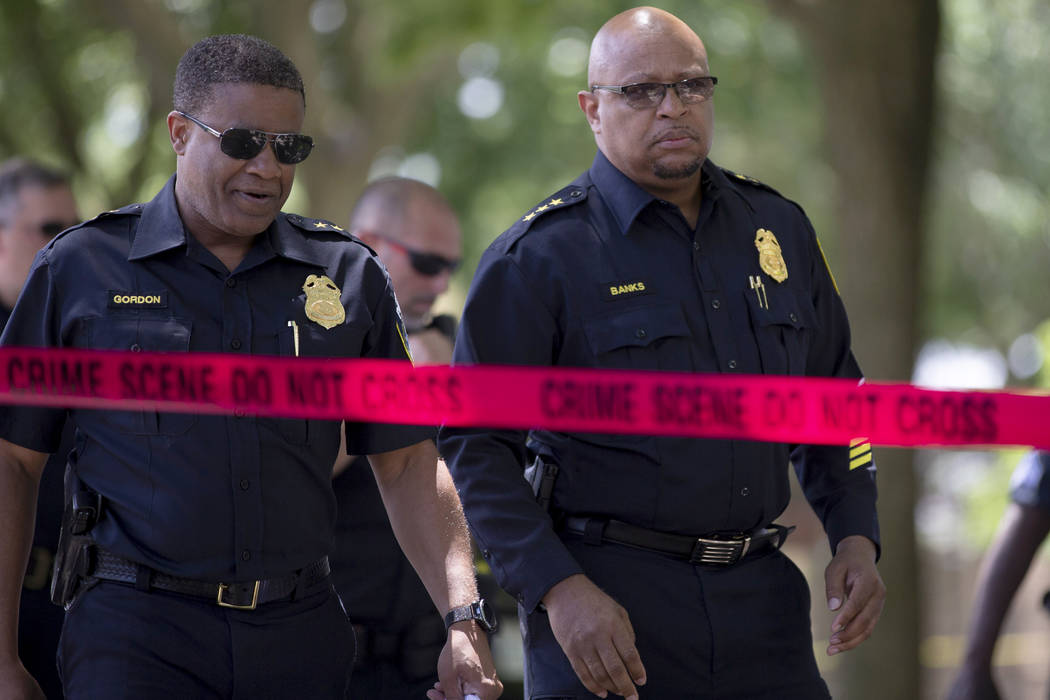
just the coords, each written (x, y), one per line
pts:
(675, 132)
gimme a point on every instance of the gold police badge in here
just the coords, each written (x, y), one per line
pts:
(769, 257)
(322, 301)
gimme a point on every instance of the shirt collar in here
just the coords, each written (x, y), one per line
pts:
(161, 229)
(626, 199)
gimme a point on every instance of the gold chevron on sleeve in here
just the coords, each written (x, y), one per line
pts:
(859, 452)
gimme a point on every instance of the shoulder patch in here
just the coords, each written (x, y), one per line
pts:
(565, 197)
(307, 224)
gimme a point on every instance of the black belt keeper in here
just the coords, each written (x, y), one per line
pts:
(718, 549)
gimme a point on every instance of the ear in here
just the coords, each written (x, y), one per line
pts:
(178, 131)
(589, 104)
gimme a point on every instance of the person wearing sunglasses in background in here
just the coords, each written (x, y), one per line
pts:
(655, 561)
(36, 203)
(416, 235)
(194, 557)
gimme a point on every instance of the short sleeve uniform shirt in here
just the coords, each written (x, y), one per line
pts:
(215, 497)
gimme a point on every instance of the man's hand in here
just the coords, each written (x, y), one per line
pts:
(855, 589)
(597, 637)
(17, 684)
(465, 666)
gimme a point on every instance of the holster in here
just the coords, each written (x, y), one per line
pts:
(75, 546)
(541, 476)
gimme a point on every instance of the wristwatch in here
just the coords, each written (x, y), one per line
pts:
(480, 611)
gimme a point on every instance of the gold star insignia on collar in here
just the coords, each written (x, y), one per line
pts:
(554, 202)
(545, 207)
(320, 224)
(530, 216)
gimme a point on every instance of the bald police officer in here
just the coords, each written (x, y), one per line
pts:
(416, 235)
(658, 563)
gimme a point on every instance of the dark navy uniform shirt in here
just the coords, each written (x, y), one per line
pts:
(211, 497)
(605, 275)
(1030, 483)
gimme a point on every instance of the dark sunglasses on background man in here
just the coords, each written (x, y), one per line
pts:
(245, 144)
(646, 95)
(426, 264)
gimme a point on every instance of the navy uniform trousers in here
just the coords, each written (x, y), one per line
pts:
(703, 633)
(119, 642)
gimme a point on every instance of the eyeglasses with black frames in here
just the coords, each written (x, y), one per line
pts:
(245, 144)
(426, 264)
(648, 95)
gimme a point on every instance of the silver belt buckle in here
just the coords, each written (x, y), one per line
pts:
(711, 551)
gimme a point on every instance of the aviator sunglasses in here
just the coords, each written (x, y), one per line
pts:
(245, 144)
(426, 264)
(646, 95)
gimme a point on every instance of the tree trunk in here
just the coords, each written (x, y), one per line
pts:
(875, 64)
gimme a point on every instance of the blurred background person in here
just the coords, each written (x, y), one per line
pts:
(36, 203)
(1023, 528)
(417, 236)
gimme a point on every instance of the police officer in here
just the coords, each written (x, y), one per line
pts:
(658, 563)
(206, 572)
(36, 203)
(417, 236)
(1024, 526)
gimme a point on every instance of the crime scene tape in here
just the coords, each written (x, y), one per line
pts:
(768, 408)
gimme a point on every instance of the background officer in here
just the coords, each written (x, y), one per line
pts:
(207, 572)
(417, 236)
(657, 259)
(36, 203)
(1024, 526)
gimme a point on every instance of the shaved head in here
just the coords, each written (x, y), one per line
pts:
(402, 218)
(628, 31)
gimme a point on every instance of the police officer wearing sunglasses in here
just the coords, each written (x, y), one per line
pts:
(651, 566)
(194, 556)
(36, 203)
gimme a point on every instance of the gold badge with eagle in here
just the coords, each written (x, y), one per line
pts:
(322, 301)
(769, 257)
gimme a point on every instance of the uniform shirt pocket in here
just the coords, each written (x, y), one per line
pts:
(784, 323)
(655, 336)
(142, 334)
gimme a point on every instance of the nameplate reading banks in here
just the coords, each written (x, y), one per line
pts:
(769, 408)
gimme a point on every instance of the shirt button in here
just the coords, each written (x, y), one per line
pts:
(732, 364)
(245, 484)
(696, 245)
(576, 193)
(640, 333)
(235, 344)
(136, 348)
(745, 491)
(246, 555)
(716, 304)
(794, 318)
(231, 282)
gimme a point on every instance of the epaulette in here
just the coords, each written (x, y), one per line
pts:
(129, 210)
(565, 197)
(737, 177)
(307, 224)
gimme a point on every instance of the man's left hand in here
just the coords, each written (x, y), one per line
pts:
(855, 590)
(465, 666)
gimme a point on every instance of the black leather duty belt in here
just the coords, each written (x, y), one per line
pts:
(715, 549)
(241, 595)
